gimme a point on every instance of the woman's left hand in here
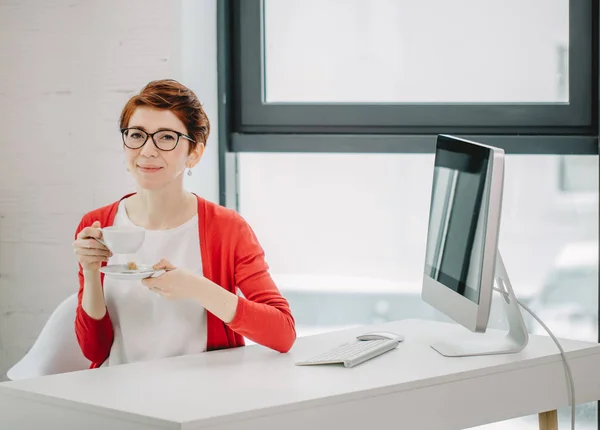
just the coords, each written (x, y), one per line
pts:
(174, 284)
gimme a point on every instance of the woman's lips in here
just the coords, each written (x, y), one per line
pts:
(149, 169)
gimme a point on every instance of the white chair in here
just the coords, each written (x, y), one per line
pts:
(56, 349)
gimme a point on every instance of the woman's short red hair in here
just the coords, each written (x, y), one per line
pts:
(171, 95)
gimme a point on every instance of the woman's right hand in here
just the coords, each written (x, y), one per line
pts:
(89, 251)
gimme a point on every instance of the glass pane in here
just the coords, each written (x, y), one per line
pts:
(345, 237)
(579, 175)
(426, 51)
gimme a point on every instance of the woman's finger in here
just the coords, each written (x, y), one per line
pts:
(93, 252)
(163, 265)
(149, 282)
(90, 232)
(89, 244)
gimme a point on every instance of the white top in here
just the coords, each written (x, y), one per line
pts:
(148, 326)
(412, 386)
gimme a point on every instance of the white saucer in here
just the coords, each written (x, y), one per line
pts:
(120, 271)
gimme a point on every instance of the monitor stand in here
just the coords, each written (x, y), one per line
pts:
(490, 343)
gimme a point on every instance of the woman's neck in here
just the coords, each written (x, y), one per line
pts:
(161, 209)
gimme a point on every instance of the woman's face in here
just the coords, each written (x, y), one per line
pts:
(151, 167)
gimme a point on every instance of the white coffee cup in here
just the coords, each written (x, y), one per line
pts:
(123, 240)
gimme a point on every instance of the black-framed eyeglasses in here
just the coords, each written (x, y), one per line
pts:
(165, 140)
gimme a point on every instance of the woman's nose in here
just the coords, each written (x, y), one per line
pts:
(149, 150)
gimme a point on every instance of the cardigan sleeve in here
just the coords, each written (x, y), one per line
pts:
(263, 315)
(94, 336)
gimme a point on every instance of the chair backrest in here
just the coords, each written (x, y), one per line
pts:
(56, 349)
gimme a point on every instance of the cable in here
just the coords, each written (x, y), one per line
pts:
(570, 382)
(569, 375)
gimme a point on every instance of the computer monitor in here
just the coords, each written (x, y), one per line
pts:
(462, 261)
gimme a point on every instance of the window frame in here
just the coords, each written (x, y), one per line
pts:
(409, 144)
(254, 115)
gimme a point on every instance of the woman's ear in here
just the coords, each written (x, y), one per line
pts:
(196, 154)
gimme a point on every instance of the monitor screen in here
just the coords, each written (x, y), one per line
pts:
(456, 232)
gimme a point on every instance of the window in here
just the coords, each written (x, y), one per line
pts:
(334, 108)
(578, 175)
(391, 66)
(344, 235)
(406, 51)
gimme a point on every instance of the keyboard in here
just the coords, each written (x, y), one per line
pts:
(353, 353)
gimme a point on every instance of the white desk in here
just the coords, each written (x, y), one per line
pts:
(412, 387)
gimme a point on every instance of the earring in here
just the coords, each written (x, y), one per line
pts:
(189, 172)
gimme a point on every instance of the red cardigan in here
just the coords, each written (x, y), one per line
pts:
(231, 258)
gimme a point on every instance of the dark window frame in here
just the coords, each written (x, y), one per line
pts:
(253, 115)
(236, 136)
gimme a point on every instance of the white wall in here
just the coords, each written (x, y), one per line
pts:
(67, 68)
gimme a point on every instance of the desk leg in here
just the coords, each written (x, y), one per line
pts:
(548, 420)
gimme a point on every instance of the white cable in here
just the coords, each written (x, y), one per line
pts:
(570, 383)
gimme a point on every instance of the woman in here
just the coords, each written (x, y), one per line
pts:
(209, 251)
